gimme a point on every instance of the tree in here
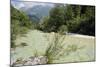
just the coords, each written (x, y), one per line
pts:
(76, 19)
(80, 19)
(56, 18)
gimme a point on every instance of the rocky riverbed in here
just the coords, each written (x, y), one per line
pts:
(30, 61)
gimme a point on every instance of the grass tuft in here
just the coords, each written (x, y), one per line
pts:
(56, 49)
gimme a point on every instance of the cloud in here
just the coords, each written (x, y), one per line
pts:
(17, 4)
(31, 4)
(27, 4)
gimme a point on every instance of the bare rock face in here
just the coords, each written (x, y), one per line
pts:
(32, 61)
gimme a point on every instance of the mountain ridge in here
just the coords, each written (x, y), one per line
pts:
(37, 11)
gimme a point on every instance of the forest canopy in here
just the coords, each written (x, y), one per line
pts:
(70, 18)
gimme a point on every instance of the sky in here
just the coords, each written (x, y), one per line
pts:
(20, 3)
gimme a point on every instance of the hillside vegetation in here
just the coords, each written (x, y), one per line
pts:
(20, 24)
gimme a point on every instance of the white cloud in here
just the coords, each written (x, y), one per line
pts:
(31, 4)
(28, 4)
(17, 5)
(21, 5)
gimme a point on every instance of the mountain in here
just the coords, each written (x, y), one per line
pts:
(37, 12)
(34, 18)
